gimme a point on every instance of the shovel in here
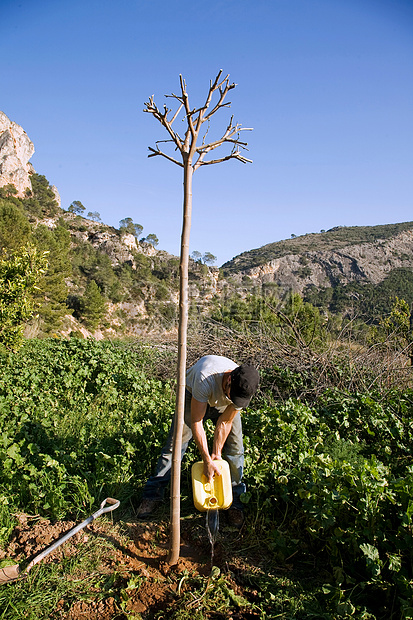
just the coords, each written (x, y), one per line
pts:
(11, 573)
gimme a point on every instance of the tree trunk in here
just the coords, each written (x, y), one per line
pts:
(411, 334)
(195, 117)
(175, 538)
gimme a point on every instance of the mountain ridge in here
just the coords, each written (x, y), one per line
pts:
(139, 283)
(334, 238)
(345, 260)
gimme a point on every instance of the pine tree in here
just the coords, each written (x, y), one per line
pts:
(52, 290)
(92, 305)
(15, 229)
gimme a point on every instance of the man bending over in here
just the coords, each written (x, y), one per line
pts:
(216, 389)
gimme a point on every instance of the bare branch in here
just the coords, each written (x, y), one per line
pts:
(152, 108)
(161, 141)
(226, 138)
(223, 93)
(235, 155)
(158, 151)
(213, 86)
(205, 134)
(176, 113)
(185, 100)
(173, 96)
(205, 148)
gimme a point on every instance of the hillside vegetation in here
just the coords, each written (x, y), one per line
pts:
(98, 279)
(107, 282)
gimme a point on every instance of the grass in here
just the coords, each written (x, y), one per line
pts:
(52, 587)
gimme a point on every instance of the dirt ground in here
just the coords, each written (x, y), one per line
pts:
(137, 554)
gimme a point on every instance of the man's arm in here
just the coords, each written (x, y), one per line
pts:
(198, 410)
(222, 429)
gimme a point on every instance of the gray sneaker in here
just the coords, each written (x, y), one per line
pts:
(147, 508)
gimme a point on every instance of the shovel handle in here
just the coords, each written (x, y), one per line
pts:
(113, 504)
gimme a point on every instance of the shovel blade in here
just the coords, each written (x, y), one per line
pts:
(9, 573)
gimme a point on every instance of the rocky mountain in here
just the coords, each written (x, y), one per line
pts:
(343, 255)
(16, 149)
(106, 281)
(139, 283)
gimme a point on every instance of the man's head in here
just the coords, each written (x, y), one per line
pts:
(244, 383)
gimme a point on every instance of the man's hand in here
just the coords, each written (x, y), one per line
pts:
(210, 470)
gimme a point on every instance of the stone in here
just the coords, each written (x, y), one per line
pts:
(16, 149)
(56, 194)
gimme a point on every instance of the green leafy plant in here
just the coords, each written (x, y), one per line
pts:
(19, 274)
(329, 482)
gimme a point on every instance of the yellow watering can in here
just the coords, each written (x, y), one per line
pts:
(216, 495)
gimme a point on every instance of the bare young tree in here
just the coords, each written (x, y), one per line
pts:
(193, 149)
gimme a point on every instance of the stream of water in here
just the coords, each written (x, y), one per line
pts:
(212, 527)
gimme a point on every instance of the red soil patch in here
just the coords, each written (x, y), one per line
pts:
(137, 554)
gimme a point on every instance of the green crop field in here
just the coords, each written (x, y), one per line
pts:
(330, 484)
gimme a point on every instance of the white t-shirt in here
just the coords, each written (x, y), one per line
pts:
(204, 380)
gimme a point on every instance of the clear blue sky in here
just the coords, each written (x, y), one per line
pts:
(327, 86)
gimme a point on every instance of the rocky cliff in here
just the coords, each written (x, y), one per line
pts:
(297, 267)
(16, 149)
